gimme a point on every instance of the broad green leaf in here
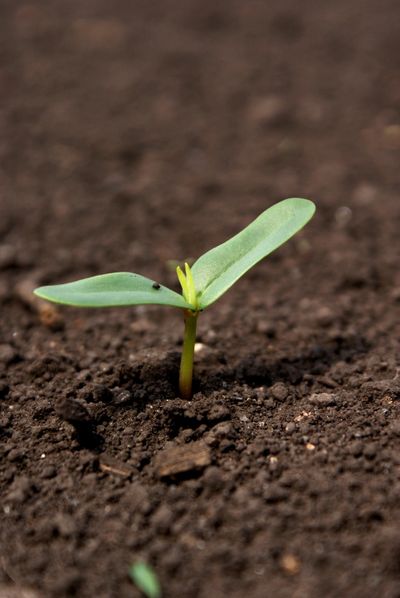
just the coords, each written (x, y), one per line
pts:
(110, 290)
(145, 579)
(218, 269)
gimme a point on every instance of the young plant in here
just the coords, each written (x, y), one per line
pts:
(145, 579)
(202, 284)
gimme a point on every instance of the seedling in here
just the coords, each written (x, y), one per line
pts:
(202, 284)
(145, 579)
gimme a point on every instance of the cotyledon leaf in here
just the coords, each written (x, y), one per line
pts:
(218, 269)
(144, 577)
(111, 290)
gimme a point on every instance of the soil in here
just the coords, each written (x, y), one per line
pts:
(138, 133)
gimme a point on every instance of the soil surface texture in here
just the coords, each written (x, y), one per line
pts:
(135, 134)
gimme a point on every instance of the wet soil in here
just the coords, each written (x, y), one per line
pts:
(135, 134)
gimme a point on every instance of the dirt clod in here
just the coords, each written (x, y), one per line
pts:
(279, 391)
(72, 411)
(323, 399)
(182, 459)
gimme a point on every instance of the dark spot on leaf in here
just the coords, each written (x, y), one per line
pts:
(156, 285)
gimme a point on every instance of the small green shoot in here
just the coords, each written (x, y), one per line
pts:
(202, 284)
(145, 579)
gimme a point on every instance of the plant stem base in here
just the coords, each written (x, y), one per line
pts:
(186, 368)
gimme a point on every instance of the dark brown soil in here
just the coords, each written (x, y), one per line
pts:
(133, 133)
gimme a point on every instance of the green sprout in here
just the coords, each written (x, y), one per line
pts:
(145, 579)
(209, 278)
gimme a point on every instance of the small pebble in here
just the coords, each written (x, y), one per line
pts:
(268, 110)
(324, 316)
(290, 427)
(323, 399)
(123, 397)
(365, 194)
(72, 411)
(182, 459)
(279, 391)
(343, 216)
(290, 564)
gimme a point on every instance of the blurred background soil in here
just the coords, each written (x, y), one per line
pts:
(136, 133)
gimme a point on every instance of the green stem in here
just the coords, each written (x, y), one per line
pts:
(186, 369)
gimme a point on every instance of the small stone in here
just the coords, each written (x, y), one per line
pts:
(343, 216)
(182, 459)
(269, 110)
(50, 316)
(324, 316)
(323, 399)
(123, 397)
(273, 464)
(290, 564)
(290, 427)
(279, 391)
(365, 194)
(73, 412)
(7, 354)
